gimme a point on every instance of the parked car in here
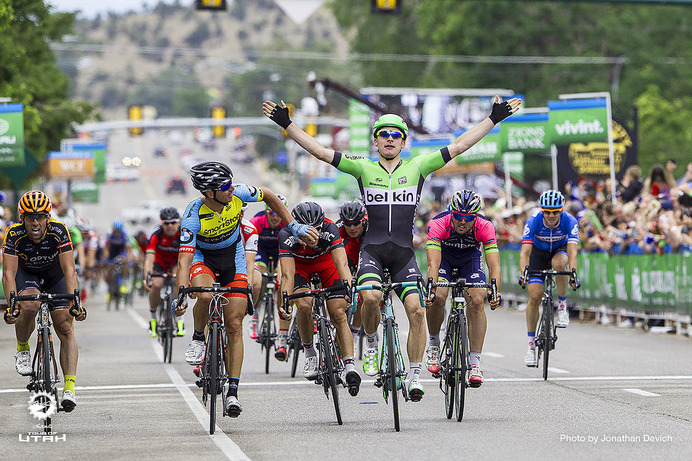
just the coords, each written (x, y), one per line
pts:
(119, 172)
(146, 213)
(160, 151)
(176, 185)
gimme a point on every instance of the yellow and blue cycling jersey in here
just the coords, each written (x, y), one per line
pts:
(215, 238)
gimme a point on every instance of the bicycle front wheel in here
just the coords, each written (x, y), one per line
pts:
(269, 331)
(391, 375)
(328, 368)
(43, 375)
(546, 334)
(295, 346)
(447, 374)
(214, 365)
(461, 366)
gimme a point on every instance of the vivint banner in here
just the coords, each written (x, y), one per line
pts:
(578, 120)
(11, 134)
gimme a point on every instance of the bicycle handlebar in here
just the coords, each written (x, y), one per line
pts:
(75, 310)
(462, 283)
(387, 287)
(183, 291)
(542, 273)
(314, 293)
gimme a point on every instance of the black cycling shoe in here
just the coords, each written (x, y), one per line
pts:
(353, 382)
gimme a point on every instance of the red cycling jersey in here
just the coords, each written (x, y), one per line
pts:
(164, 248)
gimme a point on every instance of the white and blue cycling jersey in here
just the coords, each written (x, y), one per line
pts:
(547, 239)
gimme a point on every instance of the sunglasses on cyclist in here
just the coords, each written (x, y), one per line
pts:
(463, 216)
(352, 223)
(35, 216)
(169, 223)
(552, 212)
(388, 133)
(226, 186)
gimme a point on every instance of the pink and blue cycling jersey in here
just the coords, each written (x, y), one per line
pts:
(458, 248)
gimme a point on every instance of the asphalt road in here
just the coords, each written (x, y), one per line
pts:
(611, 394)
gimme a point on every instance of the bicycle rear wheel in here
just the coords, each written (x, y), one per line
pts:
(391, 375)
(328, 370)
(213, 374)
(461, 368)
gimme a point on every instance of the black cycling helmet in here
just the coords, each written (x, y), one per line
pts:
(466, 201)
(309, 213)
(352, 211)
(168, 214)
(208, 176)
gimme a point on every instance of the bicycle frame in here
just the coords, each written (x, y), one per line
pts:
(330, 364)
(44, 374)
(392, 371)
(455, 352)
(214, 375)
(267, 332)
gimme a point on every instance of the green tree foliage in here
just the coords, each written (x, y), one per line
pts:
(29, 74)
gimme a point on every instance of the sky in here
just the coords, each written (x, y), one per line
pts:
(90, 8)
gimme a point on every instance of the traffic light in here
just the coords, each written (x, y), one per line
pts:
(135, 113)
(211, 5)
(386, 6)
(218, 112)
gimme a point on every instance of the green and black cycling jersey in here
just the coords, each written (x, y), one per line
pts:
(391, 199)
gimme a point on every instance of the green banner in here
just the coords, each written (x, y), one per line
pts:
(11, 134)
(86, 192)
(323, 187)
(360, 138)
(525, 133)
(578, 120)
(99, 151)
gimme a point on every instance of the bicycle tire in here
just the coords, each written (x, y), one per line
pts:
(294, 347)
(547, 331)
(269, 322)
(171, 327)
(461, 369)
(44, 375)
(447, 374)
(213, 374)
(392, 371)
(328, 367)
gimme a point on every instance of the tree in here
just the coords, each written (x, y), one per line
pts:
(29, 74)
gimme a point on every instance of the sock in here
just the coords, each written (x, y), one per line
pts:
(349, 364)
(309, 350)
(152, 314)
(562, 302)
(354, 331)
(476, 359)
(415, 370)
(283, 338)
(371, 340)
(69, 383)
(233, 387)
(22, 346)
(434, 340)
(179, 318)
(532, 339)
(198, 335)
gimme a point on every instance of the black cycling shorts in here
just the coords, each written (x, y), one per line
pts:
(400, 261)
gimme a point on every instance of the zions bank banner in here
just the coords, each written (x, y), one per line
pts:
(12, 135)
(578, 120)
(526, 133)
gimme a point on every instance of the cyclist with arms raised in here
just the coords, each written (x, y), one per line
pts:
(38, 258)
(391, 189)
(327, 259)
(551, 238)
(454, 241)
(211, 251)
(161, 257)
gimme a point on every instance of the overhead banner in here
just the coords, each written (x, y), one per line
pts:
(526, 133)
(70, 165)
(578, 120)
(590, 161)
(11, 134)
(96, 148)
(359, 129)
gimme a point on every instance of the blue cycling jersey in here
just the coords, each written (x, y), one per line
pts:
(547, 239)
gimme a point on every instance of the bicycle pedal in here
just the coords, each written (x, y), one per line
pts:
(436, 375)
(378, 382)
(199, 383)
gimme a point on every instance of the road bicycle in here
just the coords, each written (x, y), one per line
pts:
(330, 366)
(267, 331)
(213, 374)
(166, 328)
(455, 354)
(44, 374)
(546, 334)
(116, 283)
(392, 372)
(295, 345)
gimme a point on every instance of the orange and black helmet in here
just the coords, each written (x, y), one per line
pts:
(34, 201)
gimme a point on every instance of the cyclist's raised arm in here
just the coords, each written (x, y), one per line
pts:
(500, 111)
(279, 115)
(275, 203)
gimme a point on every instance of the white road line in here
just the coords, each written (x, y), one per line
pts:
(227, 446)
(494, 355)
(641, 392)
(558, 370)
